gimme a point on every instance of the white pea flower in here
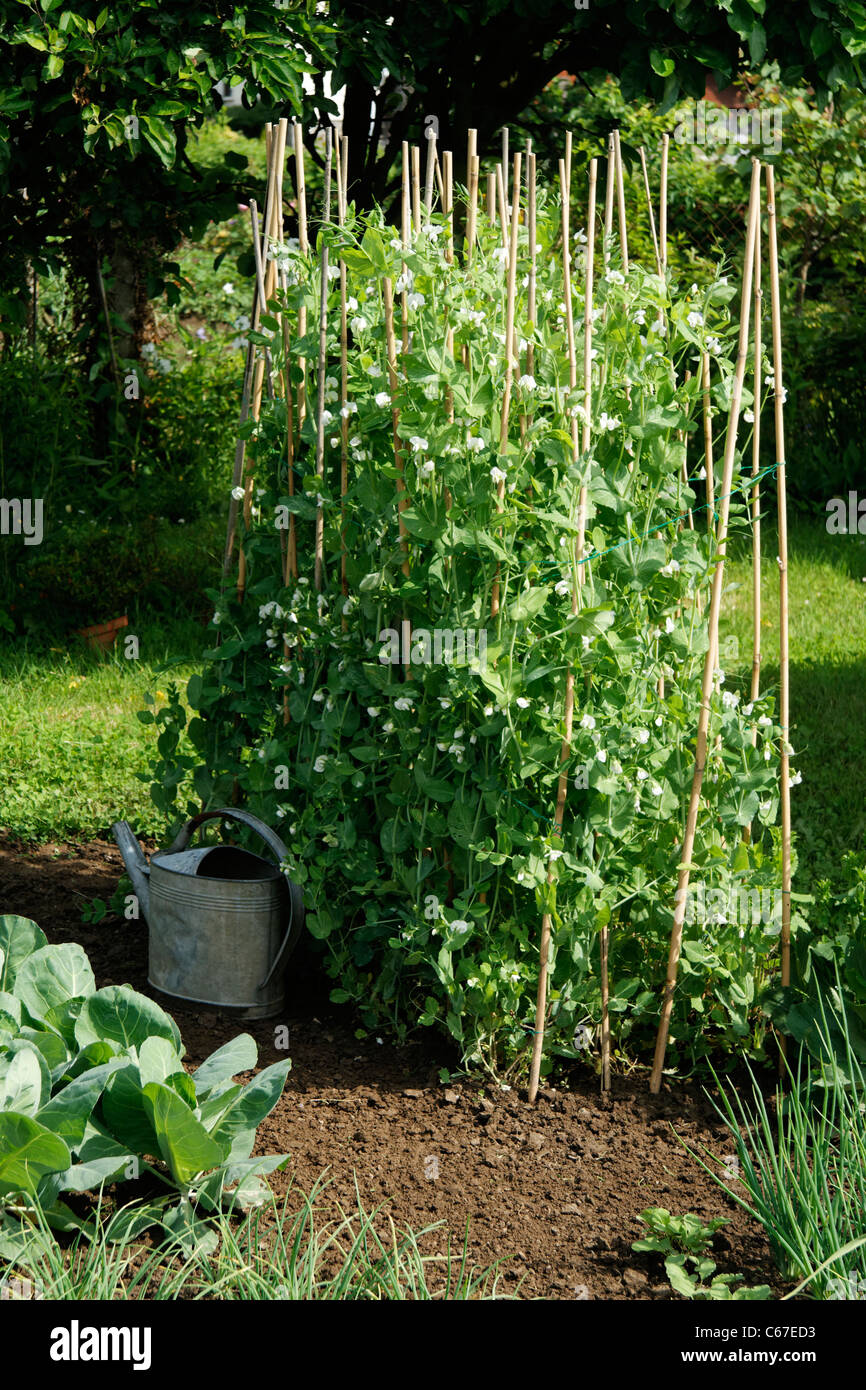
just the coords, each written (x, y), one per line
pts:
(670, 625)
(359, 324)
(587, 722)
(382, 399)
(601, 755)
(672, 567)
(642, 735)
(388, 727)
(497, 475)
(460, 927)
(695, 319)
(402, 703)
(553, 855)
(522, 702)
(427, 468)
(374, 370)
(615, 277)
(347, 409)
(608, 422)
(749, 417)
(446, 704)
(474, 443)
(418, 443)
(713, 345)
(639, 316)
(488, 711)
(562, 588)
(373, 711)
(238, 494)
(416, 301)
(228, 287)
(319, 696)
(526, 382)
(795, 780)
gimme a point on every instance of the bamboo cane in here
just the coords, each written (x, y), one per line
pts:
(756, 491)
(586, 441)
(715, 607)
(663, 203)
(708, 442)
(304, 248)
(472, 176)
(782, 502)
(532, 289)
(756, 500)
(652, 220)
(608, 200)
(448, 201)
(620, 199)
(504, 162)
(323, 345)
(263, 294)
(503, 207)
(405, 230)
(509, 358)
(342, 157)
(430, 174)
(416, 189)
(391, 350)
(577, 582)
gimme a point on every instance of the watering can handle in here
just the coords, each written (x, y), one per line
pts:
(275, 844)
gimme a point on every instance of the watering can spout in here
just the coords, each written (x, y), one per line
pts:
(135, 862)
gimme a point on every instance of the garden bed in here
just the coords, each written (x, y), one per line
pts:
(555, 1189)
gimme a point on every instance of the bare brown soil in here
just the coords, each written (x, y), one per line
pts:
(554, 1190)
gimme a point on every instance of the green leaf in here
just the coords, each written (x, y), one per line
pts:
(255, 1102)
(19, 938)
(125, 1114)
(529, 603)
(395, 836)
(101, 1159)
(28, 1151)
(24, 1079)
(50, 977)
(119, 1014)
(68, 1112)
(239, 1055)
(184, 1143)
(437, 788)
(660, 64)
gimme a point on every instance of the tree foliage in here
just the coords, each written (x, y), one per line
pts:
(96, 109)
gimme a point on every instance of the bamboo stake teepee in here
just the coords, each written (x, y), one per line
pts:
(715, 605)
(782, 506)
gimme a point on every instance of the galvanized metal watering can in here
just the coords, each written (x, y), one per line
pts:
(222, 922)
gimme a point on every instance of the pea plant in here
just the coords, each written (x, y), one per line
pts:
(390, 686)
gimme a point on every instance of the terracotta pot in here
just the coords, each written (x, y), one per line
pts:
(102, 635)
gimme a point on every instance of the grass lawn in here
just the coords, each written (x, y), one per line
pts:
(70, 742)
(827, 602)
